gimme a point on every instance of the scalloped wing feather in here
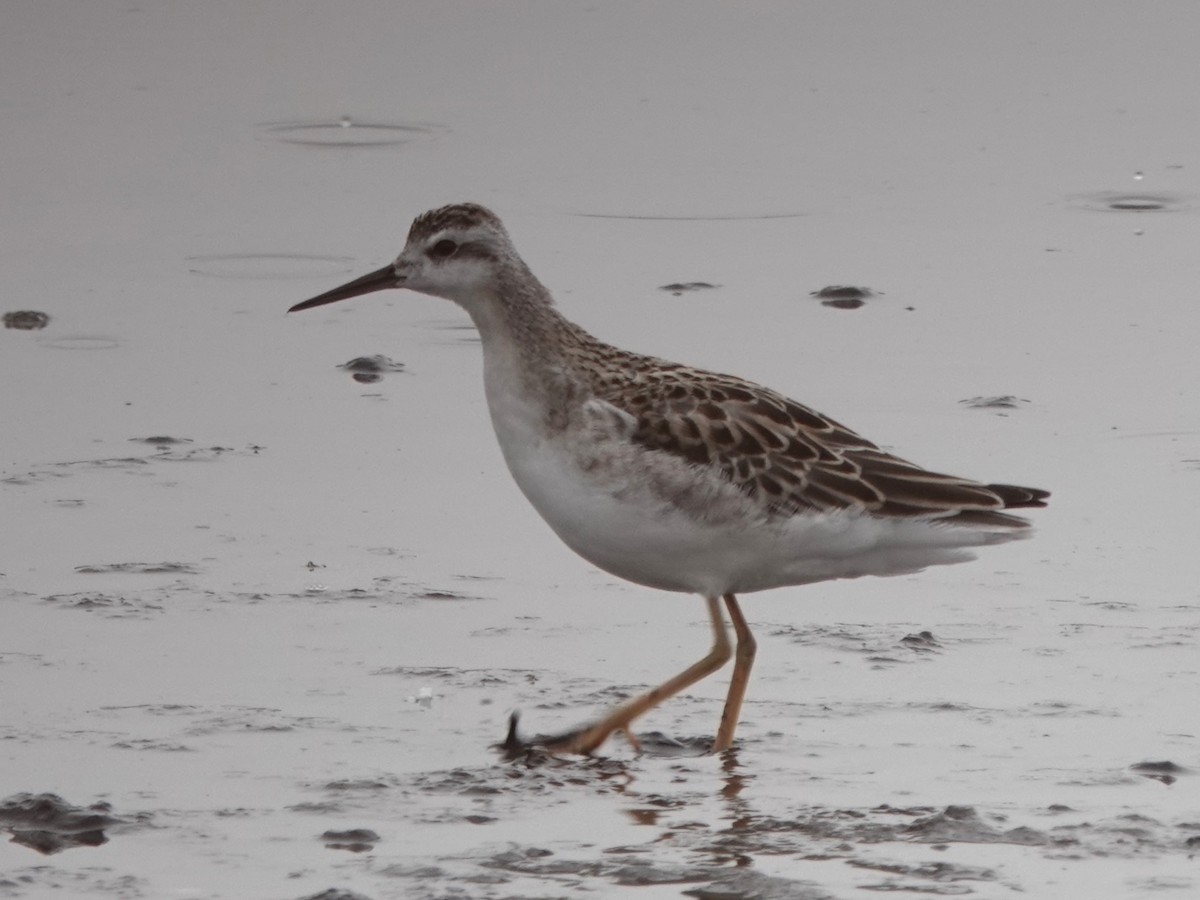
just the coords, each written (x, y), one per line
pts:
(790, 458)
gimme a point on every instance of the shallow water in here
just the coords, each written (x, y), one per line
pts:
(264, 622)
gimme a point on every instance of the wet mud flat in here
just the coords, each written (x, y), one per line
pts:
(167, 734)
(268, 598)
(289, 763)
(176, 724)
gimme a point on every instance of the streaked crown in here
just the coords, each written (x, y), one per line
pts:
(459, 217)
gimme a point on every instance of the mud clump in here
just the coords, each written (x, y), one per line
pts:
(49, 824)
(371, 369)
(26, 320)
(843, 296)
(679, 288)
(963, 824)
(356, 840)
(1162, 770)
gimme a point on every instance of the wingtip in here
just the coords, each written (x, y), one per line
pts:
(1017, 497)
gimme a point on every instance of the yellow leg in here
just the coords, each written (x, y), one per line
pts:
(588, 739)
(746, 648)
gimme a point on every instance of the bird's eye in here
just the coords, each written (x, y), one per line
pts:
(443, 249)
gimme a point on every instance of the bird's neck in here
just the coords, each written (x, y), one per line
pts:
(528, 349)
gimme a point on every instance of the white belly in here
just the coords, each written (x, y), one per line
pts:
(617, 528)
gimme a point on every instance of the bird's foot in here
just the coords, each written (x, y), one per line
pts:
(582, 740)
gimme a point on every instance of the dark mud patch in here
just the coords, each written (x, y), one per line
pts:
(355, 840)
(878, 644)
(161, 440)
(440, 594)
(153, 746)
(1163, 771)
(167, 449)
(489, 795)
(324, 596)
(921, 642)
(621, 870)
(844, 296)
(114, 605)
(202, 454)
(371, 369)
(139, 568)
(995, 402)
(461, 679)
(932, 871)
(965, 825)
(384, 590)
(847, 832)
(49, 824)
(26, 320)
(66, 469)
(679, 288)
(1132, 202)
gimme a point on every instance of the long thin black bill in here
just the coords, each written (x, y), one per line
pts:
(379, 280)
